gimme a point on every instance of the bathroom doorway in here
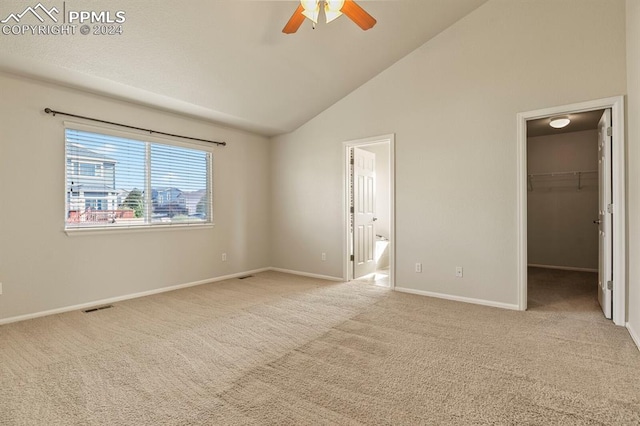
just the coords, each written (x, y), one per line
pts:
(369, 226)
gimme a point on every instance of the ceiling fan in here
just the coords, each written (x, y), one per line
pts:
(333, 9)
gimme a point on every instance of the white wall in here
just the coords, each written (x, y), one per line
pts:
(560, 216)
(633, 164)
(42, 268)
(452, 104)
(383, 223)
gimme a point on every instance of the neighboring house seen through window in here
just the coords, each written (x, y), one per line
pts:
(115, 182)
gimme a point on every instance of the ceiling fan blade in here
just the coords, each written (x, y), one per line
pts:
(295, 21)
(358, 15)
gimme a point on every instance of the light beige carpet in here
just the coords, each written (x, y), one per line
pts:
(279, 349)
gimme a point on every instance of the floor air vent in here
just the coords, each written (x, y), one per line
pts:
(99, 308)
(245, 277)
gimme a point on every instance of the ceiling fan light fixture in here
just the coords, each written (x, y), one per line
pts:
(332, 9)
(311, 9)
(559, 122)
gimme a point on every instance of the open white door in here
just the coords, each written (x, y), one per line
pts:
(605, 257)
(364, 230)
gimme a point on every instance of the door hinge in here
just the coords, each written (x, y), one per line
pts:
(610, 208)
(352, 258)
(609, 285)
(609, 131)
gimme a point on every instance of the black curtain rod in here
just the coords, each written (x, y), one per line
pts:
(50, 111)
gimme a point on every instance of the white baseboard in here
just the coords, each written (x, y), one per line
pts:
(635, 336)
(236, 275)
(562, 268)
(125, 297)
(306, 274)
(459, 298)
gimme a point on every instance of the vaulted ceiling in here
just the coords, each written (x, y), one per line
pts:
(227, 60)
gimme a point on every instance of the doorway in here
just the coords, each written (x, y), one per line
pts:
(563, 213)
(369, 224)
(615, 286)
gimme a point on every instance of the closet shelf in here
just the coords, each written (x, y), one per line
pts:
(578, 175)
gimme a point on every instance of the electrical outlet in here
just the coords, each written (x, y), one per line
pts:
(459, 271)
(224, 257)
(418, 267)
(324, 257)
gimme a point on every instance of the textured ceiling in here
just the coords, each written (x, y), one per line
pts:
(227, 60)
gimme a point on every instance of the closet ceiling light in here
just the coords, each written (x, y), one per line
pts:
(559, 122)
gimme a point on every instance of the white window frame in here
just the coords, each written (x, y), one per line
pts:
(148, 225)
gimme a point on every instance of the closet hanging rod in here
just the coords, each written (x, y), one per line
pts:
(54, 113)
(571, 173)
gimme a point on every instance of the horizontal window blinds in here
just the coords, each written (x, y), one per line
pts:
(115, 182)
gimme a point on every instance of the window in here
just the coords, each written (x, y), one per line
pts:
(88, 169)
(116, 182)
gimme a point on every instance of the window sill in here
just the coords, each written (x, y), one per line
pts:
(133, 229)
